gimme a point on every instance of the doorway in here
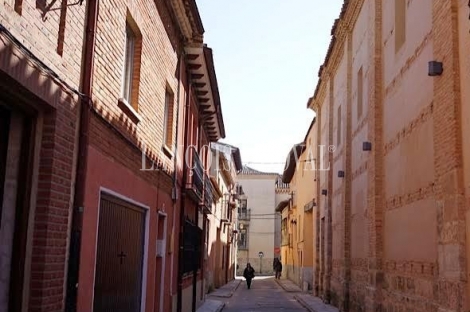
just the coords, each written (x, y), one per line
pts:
(120, 256)
(16, 163)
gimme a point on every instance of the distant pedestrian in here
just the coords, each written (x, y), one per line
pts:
(278, 269)
(248, 274)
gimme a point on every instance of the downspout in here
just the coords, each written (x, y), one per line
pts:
(195, 269)
(82, 159)
(182, 212)
(199, 144)
(175, 164)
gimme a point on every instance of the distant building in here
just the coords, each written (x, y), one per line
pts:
(299, 212)
(257, 241)
(220, 228)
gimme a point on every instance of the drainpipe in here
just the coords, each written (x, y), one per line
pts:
(82, 159)
(183, 197)
(175, 164)
(195, 269)
(199, 145)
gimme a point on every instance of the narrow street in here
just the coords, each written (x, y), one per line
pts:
(265, 295)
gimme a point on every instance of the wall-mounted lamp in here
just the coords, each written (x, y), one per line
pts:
(341, 174)
(324, 192)
(435, 68)
(366, 146)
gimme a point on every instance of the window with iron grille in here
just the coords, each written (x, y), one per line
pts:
(243, 241)
(192, 247)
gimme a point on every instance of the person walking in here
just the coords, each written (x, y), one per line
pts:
(278, 269)
(248, 274)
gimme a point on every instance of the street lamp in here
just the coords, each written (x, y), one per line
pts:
(260, 255)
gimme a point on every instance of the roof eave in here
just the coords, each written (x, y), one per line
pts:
(237, 159)
(188, 19)
(201, 67)
(283, 204)
(291, 162)
(215, 89)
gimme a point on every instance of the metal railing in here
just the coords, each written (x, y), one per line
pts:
(244, 214)
(196, 175)
(208, 196)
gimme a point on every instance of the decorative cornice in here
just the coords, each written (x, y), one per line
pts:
(189, 20)
(341, 27)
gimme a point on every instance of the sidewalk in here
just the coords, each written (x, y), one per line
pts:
(288, 285)
(314, 304)
(210, 305)
(227, 290)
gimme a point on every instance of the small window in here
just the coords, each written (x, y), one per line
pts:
(131, 74)
(19, 6)
(168, 119)
(360, 90)
(400, 24)
(338, 129)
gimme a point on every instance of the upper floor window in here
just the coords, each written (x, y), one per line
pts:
(168, 119)
(131, 75)
(400, 23)
(338, 130)
(360, 90)
(243, 241)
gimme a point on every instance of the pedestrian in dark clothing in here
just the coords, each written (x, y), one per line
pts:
(275, 261)
(278, 269)
(249, 274)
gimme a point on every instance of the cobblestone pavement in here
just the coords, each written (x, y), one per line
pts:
(265, 295)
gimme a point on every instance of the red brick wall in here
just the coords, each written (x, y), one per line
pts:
(158, 70)
(55, 37)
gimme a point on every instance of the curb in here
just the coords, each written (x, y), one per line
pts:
(287, 289)
(228, 293)
(236, 287)
(210, 307)
(304, 304)
(222, 306)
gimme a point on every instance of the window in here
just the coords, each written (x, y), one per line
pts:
(360, 90)
(400, 23)
(243, 241)
(168, 119)
(128, 64)
(19, 6)
(338, 130)
(131, 74)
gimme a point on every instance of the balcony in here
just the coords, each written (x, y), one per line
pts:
(242, 246)
(208, 195)
(244, 214)
(225, 212)
(195, 181)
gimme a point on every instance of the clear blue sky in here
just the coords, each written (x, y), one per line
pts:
(267, 54)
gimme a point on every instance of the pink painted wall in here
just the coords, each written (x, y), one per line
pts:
(103, 172)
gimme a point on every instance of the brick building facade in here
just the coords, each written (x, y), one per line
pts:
(40, 95)
(102, 106)
(392, 232)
